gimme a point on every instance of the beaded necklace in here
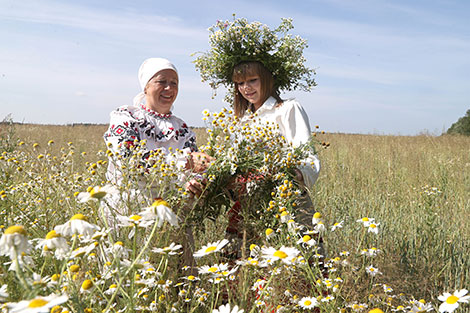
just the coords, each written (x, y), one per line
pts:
(155, 114)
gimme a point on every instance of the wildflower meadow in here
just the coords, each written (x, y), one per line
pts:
(389, 231)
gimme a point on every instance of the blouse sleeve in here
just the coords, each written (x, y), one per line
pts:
(295, 127)
(121, 136)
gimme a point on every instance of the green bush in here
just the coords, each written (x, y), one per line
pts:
(462, 126)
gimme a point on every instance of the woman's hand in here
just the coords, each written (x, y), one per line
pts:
(198, 162)
(195, 187)
(299, 177)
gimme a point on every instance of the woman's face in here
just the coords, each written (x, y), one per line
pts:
(250, 89)
(161, 91)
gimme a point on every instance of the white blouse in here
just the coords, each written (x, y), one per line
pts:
(160, 131)
(295, 127)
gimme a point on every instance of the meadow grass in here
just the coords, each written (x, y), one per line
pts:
(416, 187)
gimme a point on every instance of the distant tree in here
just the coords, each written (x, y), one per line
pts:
(462, 126)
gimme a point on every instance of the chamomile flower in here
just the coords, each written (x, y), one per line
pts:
(372, 271)
(365, 221)
(77, 225)
(451, 301)
(172, 249)
(285, 254)
(97, 193)
(307, 241)
(3, 292)
(54, 241)
(269, 233)
(38, 304)
(308, 303)
(160, 212)
(14, 242)
(337, 225)
(226, 309)
(373, 227)
(210, 248)
(317, 217)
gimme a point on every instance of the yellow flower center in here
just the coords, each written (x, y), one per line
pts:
(37, 303)
(365, 219)
(74, 268)
(113, 286)
(317, 215)
(210, 249)
(79, 216)
(452, 299)
(160, 202)
(52, 234)
(97, 193)
(306, 238)
(191, 277)
(280, 254)
(119, 243)
(87, 284)
(17, 229)
(376, 310)
(213, 269)
(373, 226)
(135, 218)
(56, 309)
(269, 231)
(307, 302)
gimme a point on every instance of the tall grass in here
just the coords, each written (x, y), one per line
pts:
(417, 187)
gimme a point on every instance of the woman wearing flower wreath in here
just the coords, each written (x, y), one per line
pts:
(257, 63)
(153, 122)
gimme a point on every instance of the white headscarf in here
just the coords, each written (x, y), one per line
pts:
(147, 70)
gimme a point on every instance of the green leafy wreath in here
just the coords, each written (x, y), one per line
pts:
(233, 42)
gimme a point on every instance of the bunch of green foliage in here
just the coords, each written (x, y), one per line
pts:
(462, 126)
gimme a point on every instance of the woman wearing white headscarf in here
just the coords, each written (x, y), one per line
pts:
(152, 120)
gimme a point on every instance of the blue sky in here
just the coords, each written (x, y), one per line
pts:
(383, 67)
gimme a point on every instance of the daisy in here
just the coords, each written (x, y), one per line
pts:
(210, 248)
(38, 304)
(372, 270)
(160, 212)
(337, 225)
(421, 306)
(365, 221)
(54, 241)
(370, 252)
(308, 302)
(269, 233)
(373, 228)
(286, 254)
(14, 242)
(3, 292)
(320, 227)
(172, 249)
(87, 286)
(317, 217)
(307, 241)
(97, 193)
(226, 309)
(451, 301)
(77, 225)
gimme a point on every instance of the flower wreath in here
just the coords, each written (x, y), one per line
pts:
(237, 41)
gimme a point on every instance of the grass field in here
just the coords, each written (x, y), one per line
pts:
(416, 187)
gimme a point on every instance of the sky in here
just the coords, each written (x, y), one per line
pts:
(387, 67)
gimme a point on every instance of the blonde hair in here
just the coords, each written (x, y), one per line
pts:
(252, 68)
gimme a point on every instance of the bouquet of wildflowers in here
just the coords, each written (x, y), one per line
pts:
(250, 161)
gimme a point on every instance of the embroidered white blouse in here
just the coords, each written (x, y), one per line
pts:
(295, 127)
(161, 131)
